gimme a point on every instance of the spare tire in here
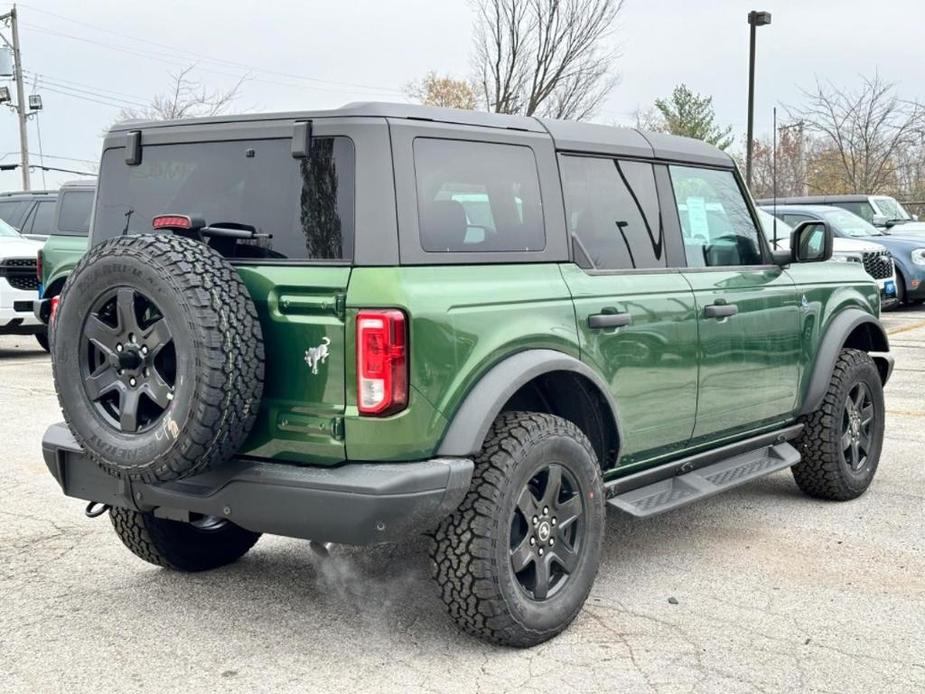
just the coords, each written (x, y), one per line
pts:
(158, 357)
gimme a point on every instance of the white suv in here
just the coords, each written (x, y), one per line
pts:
(876, 259)
(19, 285)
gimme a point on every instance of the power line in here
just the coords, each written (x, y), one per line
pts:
(44, 76)
(201, 56)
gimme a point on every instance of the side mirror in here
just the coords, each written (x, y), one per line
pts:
(880, 220)
(811, 242)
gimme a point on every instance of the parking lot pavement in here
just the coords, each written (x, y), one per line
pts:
(773, 591)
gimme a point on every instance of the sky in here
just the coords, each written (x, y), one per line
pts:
(91, 57)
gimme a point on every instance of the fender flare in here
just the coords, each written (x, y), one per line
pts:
(473, 418)
(836, 335)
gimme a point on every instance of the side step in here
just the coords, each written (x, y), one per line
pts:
(675, 492)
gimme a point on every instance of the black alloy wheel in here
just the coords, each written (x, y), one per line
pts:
(857, 419)
(547, 532)
(128, 360)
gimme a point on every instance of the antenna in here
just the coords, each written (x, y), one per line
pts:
(774, 176)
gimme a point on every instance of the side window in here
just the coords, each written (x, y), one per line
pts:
(477, 196)
(11, 212)
(42, 218)
(74, 209)
(717, 227)
(862, 209)
(611, 207)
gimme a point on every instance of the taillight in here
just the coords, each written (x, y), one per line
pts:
(172, 221)
(382, 362)
(55, 300)
(39, 261)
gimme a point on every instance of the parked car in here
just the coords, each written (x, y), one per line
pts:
(884, 212)
(908, 251)
(18, 285)
(361, 324)
(31, 213)
(66, 243)
(877, 261)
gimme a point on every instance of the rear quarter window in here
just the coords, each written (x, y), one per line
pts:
(12, 211)
(477, 196)
(74, 209)
(306, 206)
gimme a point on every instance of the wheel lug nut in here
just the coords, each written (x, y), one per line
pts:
(541, 551)
(545, 510)
(119, 347)
(144, 349)
(535, 520)
(554, 521)
(552, 541)
(532, 541)
(170, 396)
(132, 382)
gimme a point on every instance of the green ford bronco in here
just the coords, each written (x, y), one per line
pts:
(356, 325)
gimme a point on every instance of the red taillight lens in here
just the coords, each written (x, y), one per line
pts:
(39, 261)
(55, 300)
(382, 362)
(172, 221)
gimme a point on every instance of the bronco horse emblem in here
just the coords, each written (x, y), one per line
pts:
(317, 355)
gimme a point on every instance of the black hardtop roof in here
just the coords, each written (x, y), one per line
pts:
(568, 135)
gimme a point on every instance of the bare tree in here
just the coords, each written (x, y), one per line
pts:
(868, 130)
(186, 98)
(437, 90)
(545, 57)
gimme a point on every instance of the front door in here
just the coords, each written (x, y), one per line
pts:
(635, 311)
(748, 312)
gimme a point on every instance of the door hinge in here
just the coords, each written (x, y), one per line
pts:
(337, 428)
(340, 305)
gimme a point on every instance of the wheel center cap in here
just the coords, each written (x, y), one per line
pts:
(130, 359)
(544, 530)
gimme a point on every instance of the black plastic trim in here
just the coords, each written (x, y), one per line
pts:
(473, 419)
(357, 503)
(681, 466)
(829, 348)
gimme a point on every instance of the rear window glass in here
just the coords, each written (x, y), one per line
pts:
(477, 196)
(74, 212)
(12, 211)
(305, 205)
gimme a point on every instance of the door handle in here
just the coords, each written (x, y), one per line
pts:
(720, 310)
(599, 321)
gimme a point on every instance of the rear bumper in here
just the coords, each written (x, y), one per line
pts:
(41, 309)
(356, 503)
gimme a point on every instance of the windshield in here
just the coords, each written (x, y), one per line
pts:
(848, 224)
(891, 209)
(7, 230)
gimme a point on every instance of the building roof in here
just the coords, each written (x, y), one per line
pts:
(567, 135)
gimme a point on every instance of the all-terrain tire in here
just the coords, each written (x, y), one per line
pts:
(825, 472)
(218, 357)
(471, 550)
(208, 544)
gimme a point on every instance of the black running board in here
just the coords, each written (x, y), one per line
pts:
(672, 493)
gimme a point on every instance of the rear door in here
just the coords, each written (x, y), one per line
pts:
(297, 276)
(747, 308)
(636, 316)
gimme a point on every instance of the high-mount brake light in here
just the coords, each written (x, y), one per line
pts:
(382, 362)
(172, 221)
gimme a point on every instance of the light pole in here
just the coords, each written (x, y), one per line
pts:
(755, 19)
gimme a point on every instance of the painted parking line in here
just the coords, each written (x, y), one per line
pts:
(914, 326)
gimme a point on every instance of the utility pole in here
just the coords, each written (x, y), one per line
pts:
(10, 19)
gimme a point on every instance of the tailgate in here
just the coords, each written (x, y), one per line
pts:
(302, 315)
